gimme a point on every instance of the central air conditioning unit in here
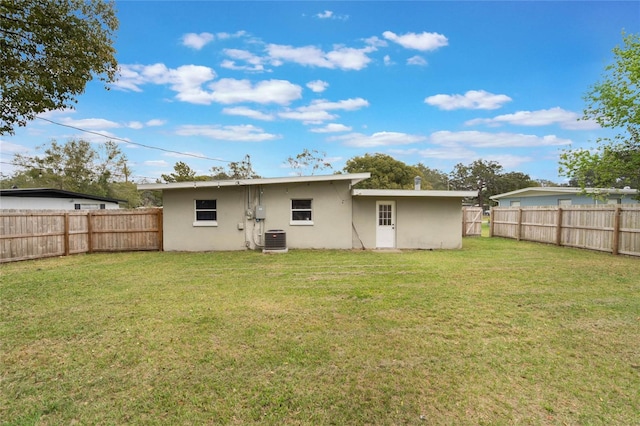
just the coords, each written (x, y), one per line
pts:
(275, 241)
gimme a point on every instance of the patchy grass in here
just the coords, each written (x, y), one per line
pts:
(500, 332)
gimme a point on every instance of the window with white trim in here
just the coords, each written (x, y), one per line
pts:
(206, 213)
(301, 212)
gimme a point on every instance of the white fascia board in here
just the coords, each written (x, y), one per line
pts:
(560, 190)
(353, 177)
(412, 193)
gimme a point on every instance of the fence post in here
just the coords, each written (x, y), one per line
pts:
(491, 221)
(519, 228)
(559, 227)
(90, 232)
(615, 239)
(160, 230)
(66, 234)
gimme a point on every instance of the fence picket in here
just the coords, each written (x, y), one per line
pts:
(614, 229)
(29, 234)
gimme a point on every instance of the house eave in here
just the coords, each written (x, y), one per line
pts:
(54, 193)
(544, 191)
(353, 177)
(411, 193)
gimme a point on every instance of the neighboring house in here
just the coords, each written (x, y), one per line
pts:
(565, 196)
(53, 199)
(307, 212)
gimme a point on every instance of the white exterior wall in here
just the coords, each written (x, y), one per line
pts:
(331, 206)
(46, 203)
(421, 222)
(237, 230)
(179, 231)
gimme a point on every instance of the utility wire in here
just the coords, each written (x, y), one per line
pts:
(133, 143)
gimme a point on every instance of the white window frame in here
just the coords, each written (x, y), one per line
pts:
(301, 222)
(564, 202)
(202, 222)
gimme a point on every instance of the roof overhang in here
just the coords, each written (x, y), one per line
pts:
(353, 177)
(54, 193)
(562, 190)
(412, 193)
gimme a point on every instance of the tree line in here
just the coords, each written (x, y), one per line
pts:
(103, 170)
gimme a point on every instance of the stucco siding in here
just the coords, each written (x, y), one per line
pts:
(180, 234)
(421, 223)
(238, 228)
(331, 214)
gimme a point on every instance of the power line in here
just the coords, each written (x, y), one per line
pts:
(132, 143)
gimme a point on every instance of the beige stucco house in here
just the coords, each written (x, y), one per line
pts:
(309, 212)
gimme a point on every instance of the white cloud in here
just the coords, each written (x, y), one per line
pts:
(255, 62)
(387, 60)
(308, 116)
(318, 111)
(495, 140)
(423, 42)
(375, 42)
(332, 128)
(155, 122)
(417, 60)
(318, 86)
(463, 154)
(225, 36)
(350, 104)
(249, 113)
(545, 117)
(473, 99)
(139, 125)
(327, 14)
(13, 148)
(244, 133)
(197, 41)
(185, 154)
(188, 81)
(341, 57)
(281, 92)
(156, 163)
(91, 123)
(378, 139)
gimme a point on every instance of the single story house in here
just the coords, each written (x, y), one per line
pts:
(53, 199)
(310, 212)
(565, 196)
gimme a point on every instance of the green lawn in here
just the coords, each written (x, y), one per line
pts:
(500, 332)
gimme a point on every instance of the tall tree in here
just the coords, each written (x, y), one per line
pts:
(433, 178)
(481, 176)
(309, 162)
(511, 181)
(386, 172)
(613, 102)
(235, 170)
(49, 50)
(73, 166)
(183, 173)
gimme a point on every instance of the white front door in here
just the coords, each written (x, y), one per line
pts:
(385, 224)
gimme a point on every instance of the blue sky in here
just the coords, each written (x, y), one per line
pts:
(439, 83)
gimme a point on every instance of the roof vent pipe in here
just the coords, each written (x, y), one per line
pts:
(417, 182)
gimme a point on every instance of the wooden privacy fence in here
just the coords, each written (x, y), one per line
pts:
(471, 221)
(609, 228)
(32, 234)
